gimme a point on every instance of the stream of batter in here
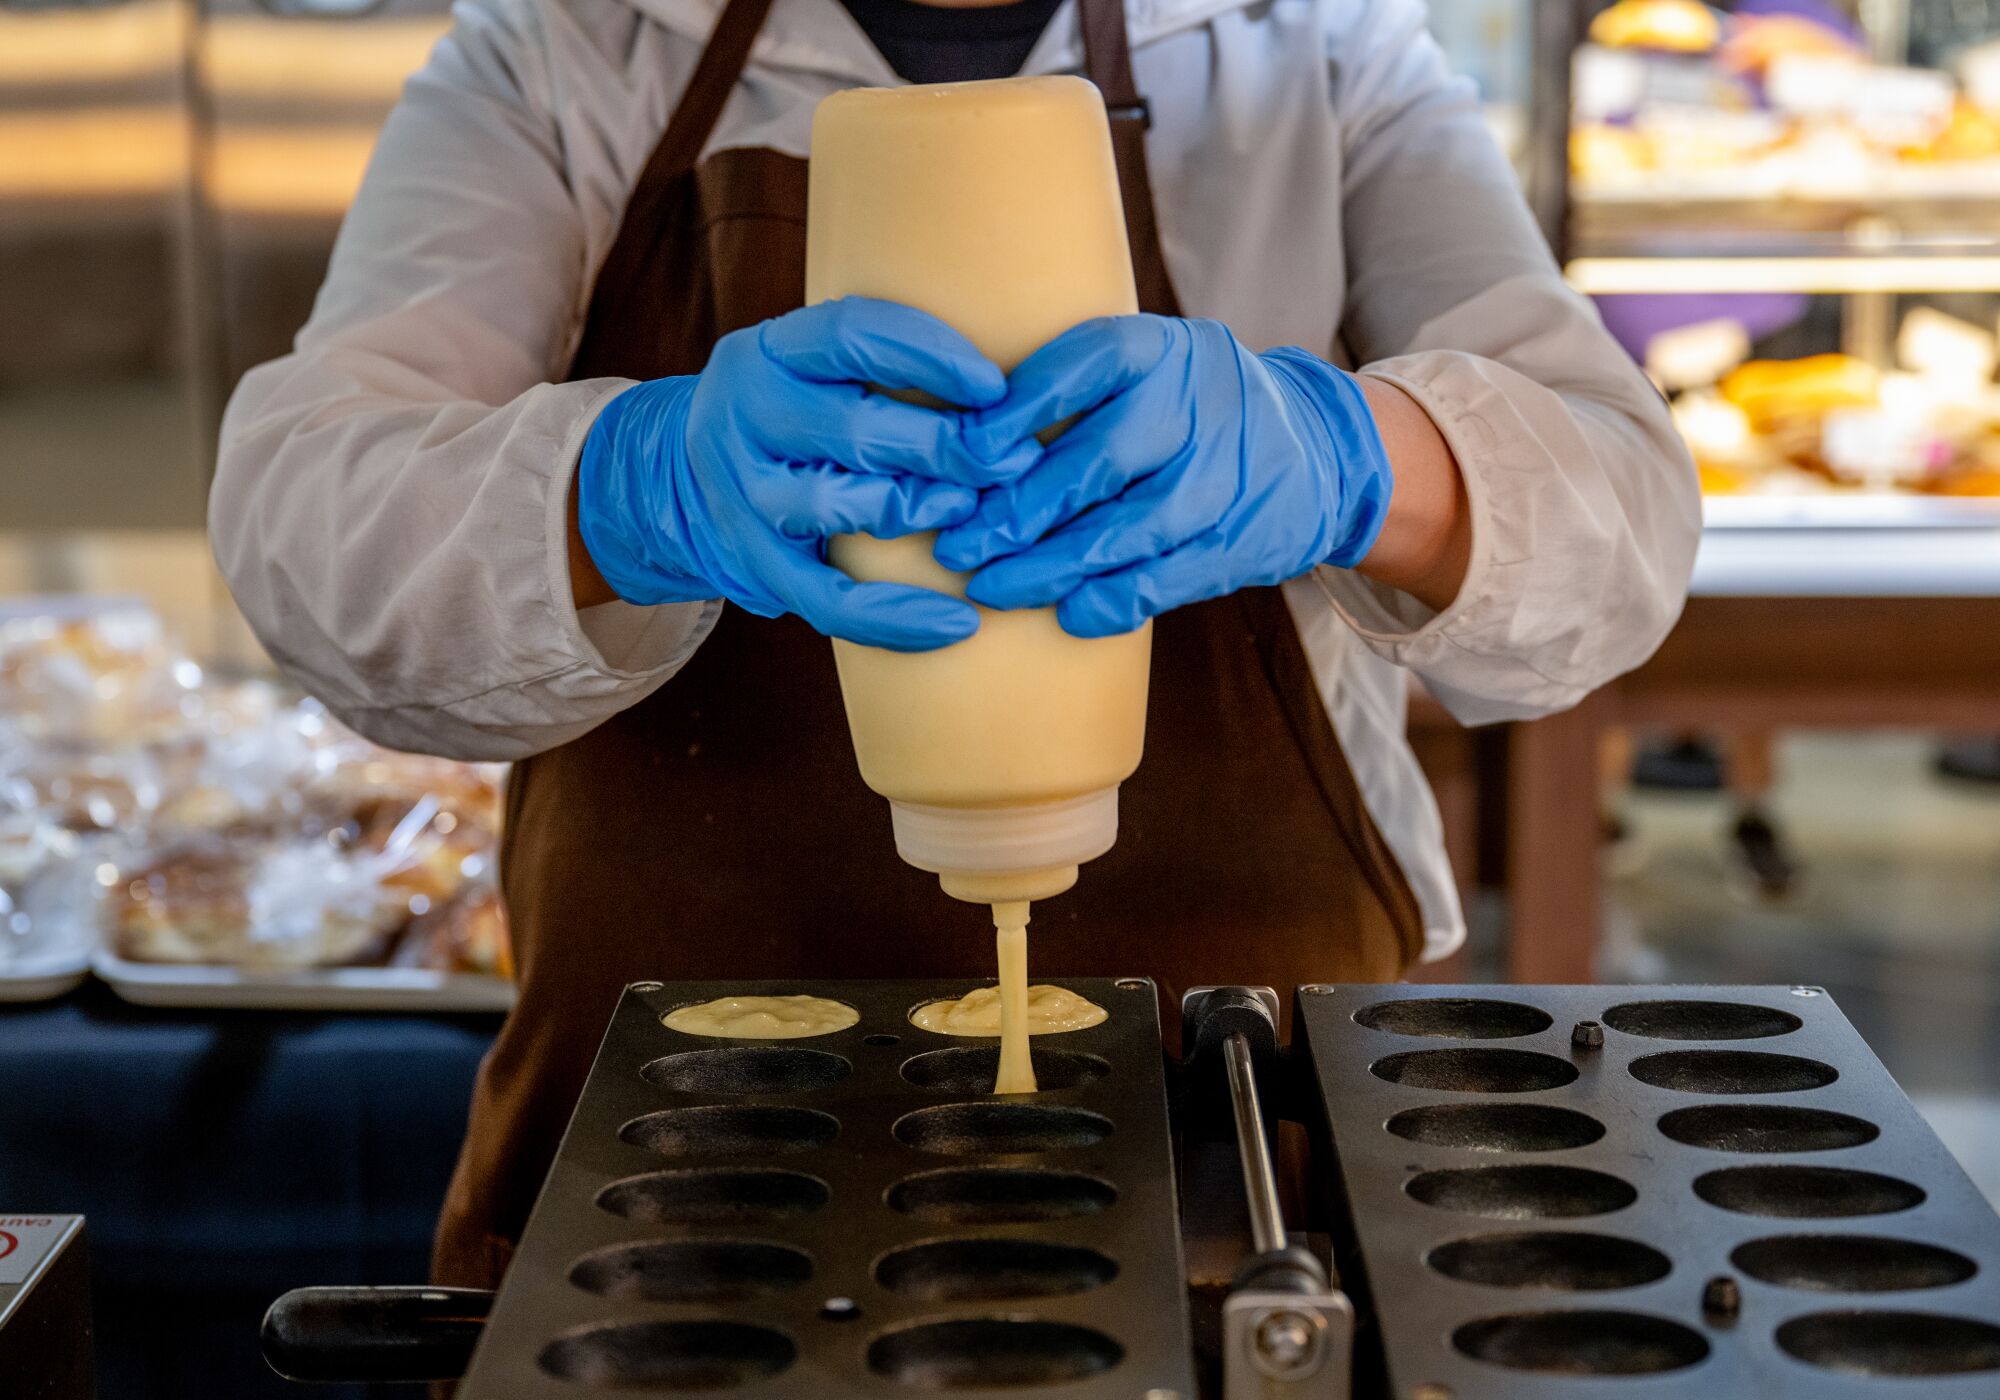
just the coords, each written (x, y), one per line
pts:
(1010, 937)
(1013, 1009)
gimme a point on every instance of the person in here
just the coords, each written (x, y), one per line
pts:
(547, 478)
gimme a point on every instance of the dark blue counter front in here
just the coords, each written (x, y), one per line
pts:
(224, 1157)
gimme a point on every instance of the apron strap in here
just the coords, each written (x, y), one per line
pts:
(679, 149)
(1107, 58)
(708, 89)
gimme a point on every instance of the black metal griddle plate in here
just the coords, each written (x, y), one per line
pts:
(1539, 1220)
(800, 1219)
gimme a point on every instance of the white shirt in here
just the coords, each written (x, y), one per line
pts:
(390, 501)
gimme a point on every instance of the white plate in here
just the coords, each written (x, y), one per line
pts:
(325, 989)
(44, 978)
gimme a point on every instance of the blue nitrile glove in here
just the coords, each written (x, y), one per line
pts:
(727, 483)
(1196, 469)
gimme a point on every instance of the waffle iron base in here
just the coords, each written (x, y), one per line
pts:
(853, 1214)
(1640, 1193)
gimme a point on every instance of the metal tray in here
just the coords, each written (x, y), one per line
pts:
(807, 1221)
(1633, 1168)
(324, 989)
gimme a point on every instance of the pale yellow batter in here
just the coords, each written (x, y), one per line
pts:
(1051, 1011)
(1010, 938)
(762, 1018)
(1013, 1010)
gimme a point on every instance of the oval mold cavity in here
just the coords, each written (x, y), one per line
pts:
(987, 1270)
(1475, 1071)
(1496, 1127)
(991, 1352)
(1455, 1018)
(1851, 1263)
(731, 1130)
(669, 1355)
(1732, 1072)
(1766, 1127)
(1806, 1193)
(1522, 1193)
(1582, 1343)
(745, 1069)
(1558, 1259)
(999, 1195)
(691, 1271)
(1700, 1020)
(705, 1195)
(970, 1069)
(966, 1129)
(1893, 1343)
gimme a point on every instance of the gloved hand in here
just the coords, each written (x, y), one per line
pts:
(1196, 469)
(727, 483)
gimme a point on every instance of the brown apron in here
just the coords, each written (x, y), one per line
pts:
(720, 829)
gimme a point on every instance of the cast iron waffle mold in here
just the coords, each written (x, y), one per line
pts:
(853, 1214)
(1623, 1193)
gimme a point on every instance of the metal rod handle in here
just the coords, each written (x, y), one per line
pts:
(412, 1333)
(1260, 1180)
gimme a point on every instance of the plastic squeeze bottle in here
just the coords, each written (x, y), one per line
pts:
(995, 207)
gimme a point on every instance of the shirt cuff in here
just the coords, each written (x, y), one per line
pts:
(618, 640)
(1393, 621)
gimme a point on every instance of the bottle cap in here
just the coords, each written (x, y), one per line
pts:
(992, 841)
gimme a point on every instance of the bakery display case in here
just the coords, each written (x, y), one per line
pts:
(1790, 213)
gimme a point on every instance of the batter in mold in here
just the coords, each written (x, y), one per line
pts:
(1013, 1010)
(762, 1018)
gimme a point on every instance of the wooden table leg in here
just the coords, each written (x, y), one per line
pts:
(1554, 899)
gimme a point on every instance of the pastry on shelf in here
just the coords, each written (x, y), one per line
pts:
(79, 787)
(1973, 480)
(30, 845)
(1972, 134)
(105, 677)
(1702, 140)
(49, 894)
(1731, 458)
(465, 934)
(426, 850)
(1604, 154)
(1756, 42)
(1948, 351)
(244, 764)
(1771, 392)
(369, 785)
(283, 908)
(1671, 26)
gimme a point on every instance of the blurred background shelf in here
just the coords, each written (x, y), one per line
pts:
(1860, 511)
(1647, 266)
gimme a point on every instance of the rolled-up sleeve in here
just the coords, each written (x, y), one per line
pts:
(390, 505)
(1585, 510)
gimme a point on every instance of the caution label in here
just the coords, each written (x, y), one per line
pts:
(25, 1241)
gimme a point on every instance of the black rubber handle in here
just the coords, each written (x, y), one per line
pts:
(1211, 1017)
(374, 1334)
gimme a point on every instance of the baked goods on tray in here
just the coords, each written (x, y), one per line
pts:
(187, 819)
